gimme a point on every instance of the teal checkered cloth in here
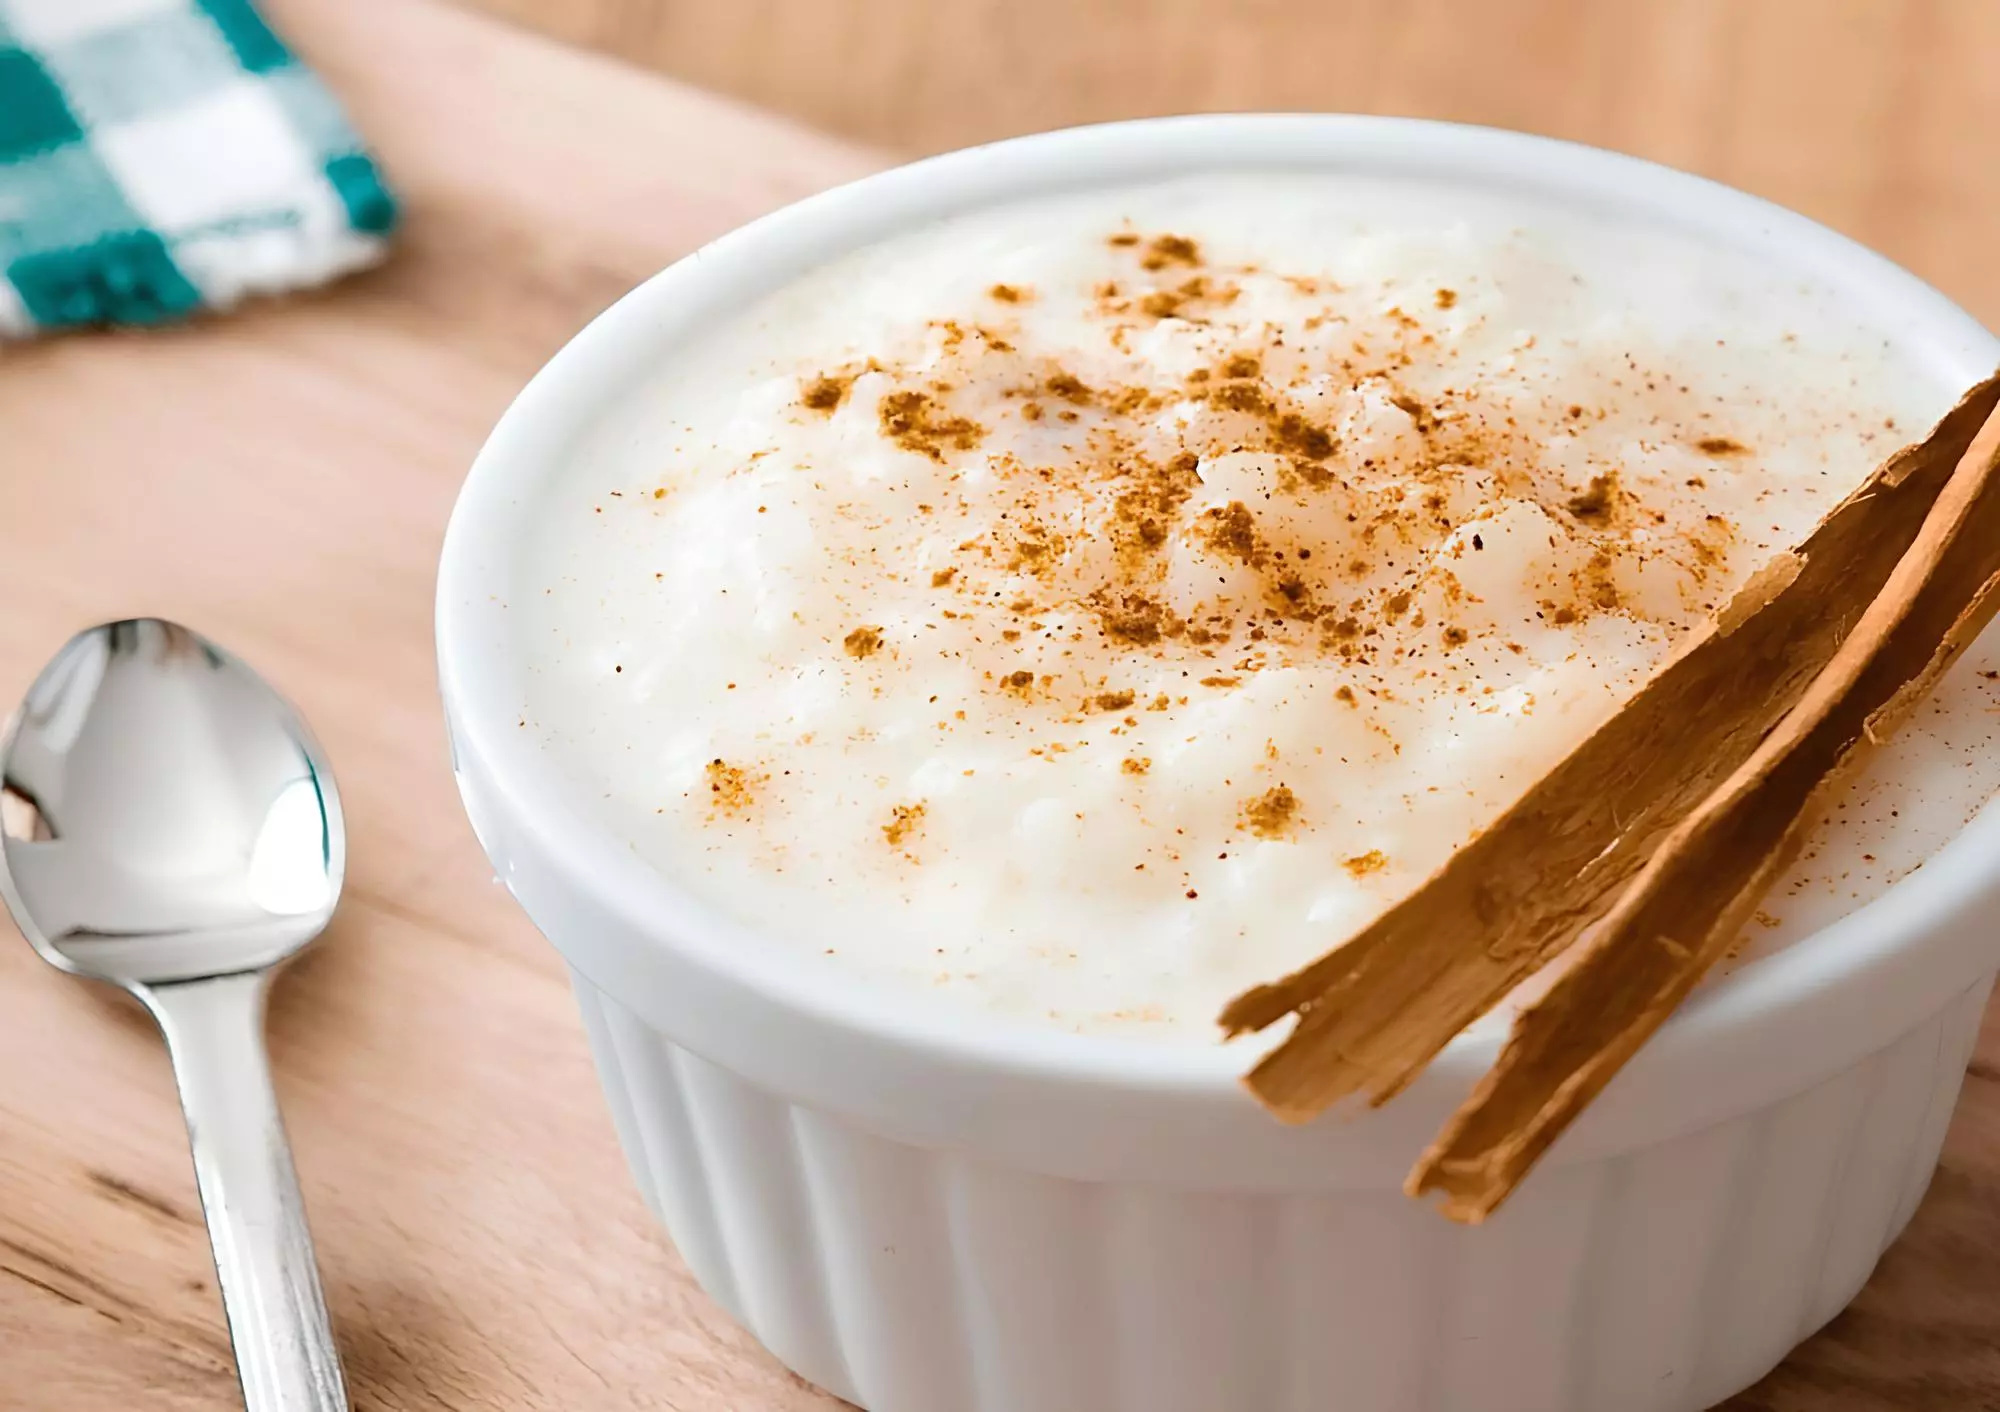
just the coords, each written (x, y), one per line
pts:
(163, 156)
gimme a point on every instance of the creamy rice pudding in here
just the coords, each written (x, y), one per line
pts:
(1092, 606)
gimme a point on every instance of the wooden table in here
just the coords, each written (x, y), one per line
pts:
(282, 478)
(1875, 116)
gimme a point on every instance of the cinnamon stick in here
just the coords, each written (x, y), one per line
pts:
(1690, 902)
(1376, 1010)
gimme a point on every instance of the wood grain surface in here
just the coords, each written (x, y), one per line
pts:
(1875, 116)
(282, 478)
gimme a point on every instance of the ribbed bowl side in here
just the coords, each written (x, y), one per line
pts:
(913, 1280)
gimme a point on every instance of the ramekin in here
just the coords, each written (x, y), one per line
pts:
(925, 1212)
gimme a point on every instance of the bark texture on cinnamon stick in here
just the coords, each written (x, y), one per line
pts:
(1373, 1012)
(1691, 900)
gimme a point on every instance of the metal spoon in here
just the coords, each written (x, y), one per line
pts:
(168, 824)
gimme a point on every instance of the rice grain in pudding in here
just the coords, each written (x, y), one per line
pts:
(1093, 606)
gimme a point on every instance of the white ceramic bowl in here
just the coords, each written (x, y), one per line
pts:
(928, 1213)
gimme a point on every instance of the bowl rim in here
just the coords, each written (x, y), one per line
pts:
(479, 669)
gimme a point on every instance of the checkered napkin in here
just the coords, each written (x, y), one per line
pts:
(163, 156)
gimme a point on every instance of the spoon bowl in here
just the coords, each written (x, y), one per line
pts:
(164, 814)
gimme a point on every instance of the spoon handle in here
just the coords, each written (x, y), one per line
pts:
(285, 1354)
